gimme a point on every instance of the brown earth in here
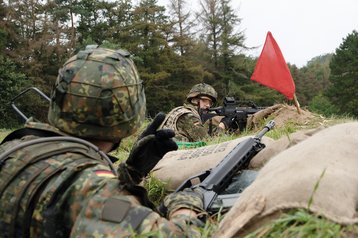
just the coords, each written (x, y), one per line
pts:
(283, 114)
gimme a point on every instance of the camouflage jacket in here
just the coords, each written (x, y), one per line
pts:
(63, 188)
(187, 125)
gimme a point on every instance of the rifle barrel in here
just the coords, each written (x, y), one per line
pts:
(267, 127)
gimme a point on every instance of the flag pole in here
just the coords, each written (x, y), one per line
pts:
(297, 104)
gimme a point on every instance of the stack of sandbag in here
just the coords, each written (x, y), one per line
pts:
(319, 174)
(283, 143)
(177, 166)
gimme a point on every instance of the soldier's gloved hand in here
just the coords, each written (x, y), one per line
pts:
(187, 198)
(150, 147)
(230, 123)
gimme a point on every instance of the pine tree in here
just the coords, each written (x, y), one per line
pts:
(344, 76)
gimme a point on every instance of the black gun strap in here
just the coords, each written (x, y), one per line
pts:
(210, 127)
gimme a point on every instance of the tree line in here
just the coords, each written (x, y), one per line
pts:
(173, 48)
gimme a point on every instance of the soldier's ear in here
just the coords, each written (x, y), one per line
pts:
(195, 101)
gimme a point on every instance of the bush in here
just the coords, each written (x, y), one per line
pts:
(320, 104)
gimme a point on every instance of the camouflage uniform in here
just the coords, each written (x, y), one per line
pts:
(62, 186)
(186, 121)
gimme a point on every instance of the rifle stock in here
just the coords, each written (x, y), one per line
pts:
(215, 181)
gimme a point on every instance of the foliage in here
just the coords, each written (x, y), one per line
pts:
(156, 189)
(4, 133)
(312, 79)
(321, 104)
(343, 92)
(11, 82)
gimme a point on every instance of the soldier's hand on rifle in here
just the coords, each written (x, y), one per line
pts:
(187, 202)
(150, 147)
(230, 123)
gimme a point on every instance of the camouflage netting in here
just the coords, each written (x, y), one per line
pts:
(318, 174)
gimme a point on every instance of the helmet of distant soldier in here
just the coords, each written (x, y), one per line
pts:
(98, 95)
(202, 89)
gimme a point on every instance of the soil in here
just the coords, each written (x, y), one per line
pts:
(289, 114)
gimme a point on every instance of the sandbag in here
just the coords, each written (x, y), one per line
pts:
(177, 166)
(318, 174)
(279, 145)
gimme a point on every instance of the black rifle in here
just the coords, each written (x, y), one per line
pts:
(213, 182)
(235, 113)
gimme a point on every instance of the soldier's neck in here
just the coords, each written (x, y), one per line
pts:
(105, 146)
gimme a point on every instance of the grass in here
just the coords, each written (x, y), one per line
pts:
(4, 133)
(300, 223)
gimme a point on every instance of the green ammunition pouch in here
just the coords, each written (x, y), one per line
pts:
(190, 145)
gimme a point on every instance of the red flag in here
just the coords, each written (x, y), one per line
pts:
(272, 71)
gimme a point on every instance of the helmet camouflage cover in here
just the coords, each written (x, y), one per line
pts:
(98, 95)
(202, 89)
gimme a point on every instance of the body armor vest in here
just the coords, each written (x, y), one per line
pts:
(171, 120)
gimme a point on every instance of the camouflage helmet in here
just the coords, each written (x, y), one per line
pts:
(98, 95)
(202, 89)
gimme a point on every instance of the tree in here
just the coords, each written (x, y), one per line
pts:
(182, 25)
(210, 18)
(231, 39)
(120, 22)
(11, 83)
(343, 92)
(312, 79)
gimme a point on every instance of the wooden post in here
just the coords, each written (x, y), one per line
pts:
(297, 104)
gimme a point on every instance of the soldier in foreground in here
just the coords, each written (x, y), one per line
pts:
(58, 181)
(186, 120)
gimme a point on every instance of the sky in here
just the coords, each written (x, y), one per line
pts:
(303, 29)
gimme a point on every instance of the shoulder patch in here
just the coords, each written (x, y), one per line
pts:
(115, 210)
(105, 173)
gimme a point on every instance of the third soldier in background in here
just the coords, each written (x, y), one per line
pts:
(186, 120)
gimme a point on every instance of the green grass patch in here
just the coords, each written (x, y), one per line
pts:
(300, 223)
(156, 189)
(4, 133)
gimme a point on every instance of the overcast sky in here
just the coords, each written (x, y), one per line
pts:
(302, 28)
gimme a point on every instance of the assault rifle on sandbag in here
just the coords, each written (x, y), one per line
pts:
(213, 182)
(235, 113)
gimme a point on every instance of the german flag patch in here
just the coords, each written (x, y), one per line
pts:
(105, 173)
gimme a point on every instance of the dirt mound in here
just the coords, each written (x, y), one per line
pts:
(290, 114)
(283, 114)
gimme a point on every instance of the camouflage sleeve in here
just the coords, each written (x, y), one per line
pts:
(112, 212)
(178, 226)
(192, 127)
